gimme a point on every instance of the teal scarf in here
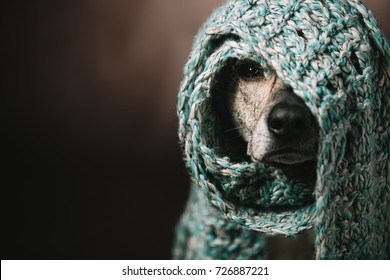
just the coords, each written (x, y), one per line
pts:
(332, 54)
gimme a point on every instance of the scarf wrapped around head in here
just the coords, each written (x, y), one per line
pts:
(333, 56)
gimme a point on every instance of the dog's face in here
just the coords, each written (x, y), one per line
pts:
(276, 124)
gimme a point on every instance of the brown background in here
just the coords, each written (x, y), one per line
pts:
(92, 167)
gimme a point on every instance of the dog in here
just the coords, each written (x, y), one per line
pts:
(274, 126)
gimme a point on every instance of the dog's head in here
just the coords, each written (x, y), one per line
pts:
(277, 126)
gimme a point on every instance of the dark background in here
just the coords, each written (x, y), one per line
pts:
(91, 166)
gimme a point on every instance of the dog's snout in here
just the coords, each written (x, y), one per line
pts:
(288, 119)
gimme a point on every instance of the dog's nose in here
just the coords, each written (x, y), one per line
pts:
(288, 119)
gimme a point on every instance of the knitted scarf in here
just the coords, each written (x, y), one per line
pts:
(332, 54)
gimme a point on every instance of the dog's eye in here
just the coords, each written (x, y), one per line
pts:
(250, 71)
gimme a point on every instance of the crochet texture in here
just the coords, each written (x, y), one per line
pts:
(335, 58)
